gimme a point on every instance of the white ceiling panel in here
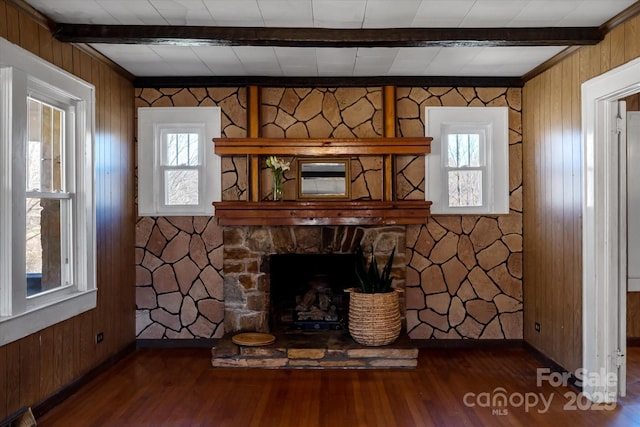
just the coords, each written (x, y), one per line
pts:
(539, 13)
(297, 61)
(442, 13)
(338, 13)
(390, 14)
(128, 12)
(374, 61)
(159, 60)
(592, 11)
(259, 61)
(507, 61)
(75, 11)
(413, 61)
(492, 13)
(286, 13)
(220, 60)
(183, 12)
(336, 62)
(235, 13)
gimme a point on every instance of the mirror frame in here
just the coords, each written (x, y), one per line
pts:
(347, 177)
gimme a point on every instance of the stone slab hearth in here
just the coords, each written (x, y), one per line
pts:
(326, 350)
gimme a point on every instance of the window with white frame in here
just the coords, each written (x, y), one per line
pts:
(178, 172)
(47, 266)
(468, 168)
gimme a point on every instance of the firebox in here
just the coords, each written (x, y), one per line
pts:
(307, 291)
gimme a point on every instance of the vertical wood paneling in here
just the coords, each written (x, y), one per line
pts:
(37, 366)
(631, 34)
(553, 201)
(617, 46)
(3, 372)
(13, 28)
(12, 372)
(3, 20)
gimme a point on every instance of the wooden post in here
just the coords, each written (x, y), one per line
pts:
(389, 131)
(253, 131)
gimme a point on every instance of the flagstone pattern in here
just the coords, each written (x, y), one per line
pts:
(179, 260)
(464, 273)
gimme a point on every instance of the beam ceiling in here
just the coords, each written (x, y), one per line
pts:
(326, 37)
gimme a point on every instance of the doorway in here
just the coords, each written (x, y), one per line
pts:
(604, 244)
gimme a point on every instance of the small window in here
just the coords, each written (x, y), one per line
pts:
(178, 174)
(467, 169)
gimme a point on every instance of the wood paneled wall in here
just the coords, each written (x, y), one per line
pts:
(552, 201)
(37, 366)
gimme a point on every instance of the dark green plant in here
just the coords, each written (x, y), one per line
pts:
(371, 279)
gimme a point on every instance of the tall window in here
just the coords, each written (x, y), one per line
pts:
(47, 265)
(468, 167)
(178, 172)
(48, 202)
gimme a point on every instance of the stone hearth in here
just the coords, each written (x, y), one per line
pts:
(332, 349)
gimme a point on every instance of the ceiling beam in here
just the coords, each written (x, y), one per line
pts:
(269, 81)
(326, 37)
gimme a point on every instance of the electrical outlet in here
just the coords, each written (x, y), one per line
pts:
(537, 326)
(99, 337)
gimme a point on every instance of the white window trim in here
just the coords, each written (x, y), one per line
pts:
(151, 122)
(20, 69)
(495, 183)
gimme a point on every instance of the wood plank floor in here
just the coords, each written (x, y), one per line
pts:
(177, 387)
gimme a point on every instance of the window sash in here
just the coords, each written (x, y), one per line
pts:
(484, 152)
(164, 185)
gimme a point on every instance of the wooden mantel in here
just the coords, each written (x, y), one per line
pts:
(354, 212)
(270, 213)
(322, 146)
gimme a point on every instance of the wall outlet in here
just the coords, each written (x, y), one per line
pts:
(99, 337)
(537, 326)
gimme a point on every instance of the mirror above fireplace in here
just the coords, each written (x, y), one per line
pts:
(323, 178)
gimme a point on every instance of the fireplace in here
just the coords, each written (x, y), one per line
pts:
(307, 291)
(252, 293)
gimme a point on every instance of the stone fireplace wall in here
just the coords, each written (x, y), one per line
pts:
(464, 273)
(246, 262)
(179, 292)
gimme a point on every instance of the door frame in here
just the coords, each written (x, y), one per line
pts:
(602, 280)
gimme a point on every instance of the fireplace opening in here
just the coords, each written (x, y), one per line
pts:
(307, 291)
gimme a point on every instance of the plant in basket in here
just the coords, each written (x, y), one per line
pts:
(374, 308)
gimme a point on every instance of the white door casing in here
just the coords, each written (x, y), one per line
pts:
(602, 278)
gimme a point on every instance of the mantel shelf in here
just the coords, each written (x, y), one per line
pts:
(322, 146)
(272, 213)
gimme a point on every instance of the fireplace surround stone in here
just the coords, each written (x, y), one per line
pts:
(246, 268)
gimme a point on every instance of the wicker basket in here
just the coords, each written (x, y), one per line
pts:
(374, 319)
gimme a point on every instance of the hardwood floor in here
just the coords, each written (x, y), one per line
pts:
(177, 387)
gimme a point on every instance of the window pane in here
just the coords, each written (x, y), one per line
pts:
(465, 188)
(463, 150)
(181, 149)
(43, 246)
(44, 151)
(181, 187)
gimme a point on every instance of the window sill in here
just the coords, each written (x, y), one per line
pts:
(20, 325)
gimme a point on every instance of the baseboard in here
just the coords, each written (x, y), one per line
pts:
(467, 344)
(178, 343)
(55, 399)
(553, 366)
